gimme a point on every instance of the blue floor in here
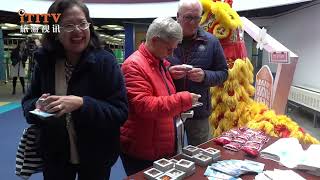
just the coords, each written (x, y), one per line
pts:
(9, 107)
(12, 124)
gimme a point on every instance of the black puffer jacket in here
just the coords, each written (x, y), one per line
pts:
(98, 79)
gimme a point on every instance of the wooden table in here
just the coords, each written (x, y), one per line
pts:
(227, 154)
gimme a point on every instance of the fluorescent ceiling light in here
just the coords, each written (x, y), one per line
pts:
(112, 27)
(122, 36)
(35, 35)
(11, 25)
(96, 27)
(16, 34)
(118, 28)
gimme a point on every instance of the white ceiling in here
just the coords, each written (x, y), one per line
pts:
(145, 10)
(244, 5)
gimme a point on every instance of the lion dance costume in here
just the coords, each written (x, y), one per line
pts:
(232, 102)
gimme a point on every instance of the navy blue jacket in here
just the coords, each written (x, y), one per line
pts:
(203, 52)
(98, 79)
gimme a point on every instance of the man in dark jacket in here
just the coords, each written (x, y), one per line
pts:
(204, 53)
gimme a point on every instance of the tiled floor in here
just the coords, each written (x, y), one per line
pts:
(6, 90)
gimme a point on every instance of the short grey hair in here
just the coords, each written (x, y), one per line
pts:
(165, 28)
(189, 3)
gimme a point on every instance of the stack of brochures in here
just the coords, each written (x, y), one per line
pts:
(311, 160)
(232, 169)
(278, 174)
(289, 152)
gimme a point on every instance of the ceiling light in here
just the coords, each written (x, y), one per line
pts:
(122, 36)
(112, 27)
(16, 34)
(35, 35)
(118, 28)
(10, 25)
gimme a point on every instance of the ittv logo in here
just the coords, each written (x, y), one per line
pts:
(35, 23)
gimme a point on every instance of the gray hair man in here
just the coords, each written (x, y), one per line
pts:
(163, 36)
(149, 133)
(204, 53)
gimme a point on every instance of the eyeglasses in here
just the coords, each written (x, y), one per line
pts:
(192, 18)
(168, 45)
(71, 27)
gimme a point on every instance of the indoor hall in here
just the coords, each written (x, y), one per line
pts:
(284, 22)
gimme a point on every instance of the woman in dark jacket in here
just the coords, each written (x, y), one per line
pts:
(19, 57)
(83, 86)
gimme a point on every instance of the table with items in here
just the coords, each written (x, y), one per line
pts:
(234, 155)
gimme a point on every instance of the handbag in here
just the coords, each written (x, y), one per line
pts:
(28, 159)
(180, 133)
(178, 120)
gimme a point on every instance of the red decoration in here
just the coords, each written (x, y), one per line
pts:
(282, 131)
(302, 130)
(263, 111)
(220, 117)
(231, 93)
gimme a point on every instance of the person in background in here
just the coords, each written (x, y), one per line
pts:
(19, 56)
(83, 86)
(37, 43)
(204, 52)
(107, 48)
(149, 133)
(32, 48)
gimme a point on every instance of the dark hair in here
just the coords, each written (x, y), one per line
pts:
(50, 40)
(19, 44)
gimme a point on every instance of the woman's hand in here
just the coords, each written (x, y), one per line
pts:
(62, 104)
(195, 97)
(40, 102)
(178, 71)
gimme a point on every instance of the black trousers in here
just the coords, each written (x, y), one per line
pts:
(14, 83)
(67, 171)
(132, 165)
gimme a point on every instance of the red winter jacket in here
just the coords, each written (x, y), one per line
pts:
(149, 132)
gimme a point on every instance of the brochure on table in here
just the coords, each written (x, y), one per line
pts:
(289, 152)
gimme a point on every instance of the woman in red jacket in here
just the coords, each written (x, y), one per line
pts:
(149, 133)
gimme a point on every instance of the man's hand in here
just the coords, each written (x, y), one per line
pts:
(178, 71)
(196, 75)
(62, 104)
